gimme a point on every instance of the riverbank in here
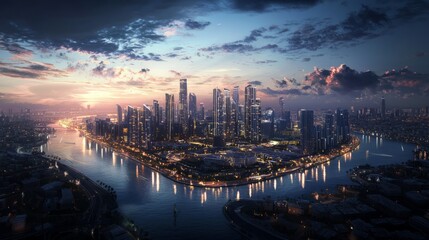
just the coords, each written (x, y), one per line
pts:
(315, 161)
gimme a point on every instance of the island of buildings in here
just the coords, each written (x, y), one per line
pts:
(231, 144)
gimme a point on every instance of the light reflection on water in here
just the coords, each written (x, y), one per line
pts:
(148, 198)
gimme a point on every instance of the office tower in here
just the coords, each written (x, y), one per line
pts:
(235, 95)
(132, 125)
(145, 127)
(119, 112)
(156, 116)
(227, 95)
(307, 129)
(235, 118)
(255, 121)
(267, 123)
(202, 112)
(343, 128)
(383, 107)
(169, 115)
(328, 131)
(218, 117)
(183, 106)
(192, 105)
(282, 107)
(249, 99)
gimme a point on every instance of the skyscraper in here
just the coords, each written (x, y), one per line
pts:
(235, 125)
(119, 112)
(282, 106)
(192, 120)
(156, 115)
(227, 95)
(343, 128)
(255, 121)
(202, 112)
(383, 107)
(218, 118)
(249, 99)
(169, 115)
(132, 125)
(146, 127)
(328, 131)
(192, 105)
(183, 106)
(307, 131)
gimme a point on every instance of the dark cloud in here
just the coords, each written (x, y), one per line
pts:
(341, 79)
(145, 70)
(404, 82)
(176, 73)
(177, 48)
(261, 5)
(265, 61)
(30, 70)
(344, 80)
(307, 59)
(254, 34)
(274, 92)
(420, 54)
(195, 25)
(103, 71)
(14, 48)
(256, 83)
(94, 26)
(358, 25)
(171, 55)
(412, 9)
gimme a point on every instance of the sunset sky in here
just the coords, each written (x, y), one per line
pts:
(313, 53)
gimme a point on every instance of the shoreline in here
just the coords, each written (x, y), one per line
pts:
(196, 183)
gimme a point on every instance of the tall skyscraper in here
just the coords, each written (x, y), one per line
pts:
(192, 105)
(255, 121)
(235, 95)
(183, 106)
(218, 117)
(202, 112)
(192, 120)
(328, 131)
(169, 115)
(119, 112)
(235, 125)
(156, 115)
(307, 131)
(227, 95)
(132, 125)
(146, 128)
(249, 99)
(383, 107)
(343, 128)
(282, 106)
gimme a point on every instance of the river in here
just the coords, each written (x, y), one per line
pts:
(148, 198)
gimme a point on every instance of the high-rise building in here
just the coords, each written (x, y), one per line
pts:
(218, 117)
(145, 126)
(202, 112)
(249, 99)
(192, 105)
(255, 121)
(328, 131)
(282, 106)
(183, 106)
(119, 113)
(169, 115)
(156, 116)
(228, 110)
(383, 107)
(132, 125)
(343, 128)
(307, 131)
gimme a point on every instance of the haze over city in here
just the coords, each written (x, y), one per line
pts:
(333, 53)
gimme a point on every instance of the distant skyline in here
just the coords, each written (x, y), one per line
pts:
(319, 54)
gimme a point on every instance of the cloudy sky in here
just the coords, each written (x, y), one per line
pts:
(333, 53)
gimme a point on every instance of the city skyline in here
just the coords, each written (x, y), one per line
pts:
(55, 55)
